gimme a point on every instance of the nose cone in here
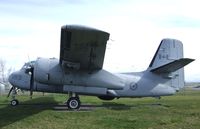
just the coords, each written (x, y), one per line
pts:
(10, 79)
(14, 77)
(20, 79)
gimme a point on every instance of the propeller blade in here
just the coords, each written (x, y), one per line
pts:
(10, 91)
(31, 82)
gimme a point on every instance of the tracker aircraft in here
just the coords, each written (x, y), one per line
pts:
(79, 70)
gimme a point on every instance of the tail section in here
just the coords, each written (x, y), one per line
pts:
(168, 61)
(168, 51)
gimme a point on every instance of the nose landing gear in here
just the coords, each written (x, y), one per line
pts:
(13, 102)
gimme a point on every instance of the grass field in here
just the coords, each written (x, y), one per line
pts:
(181, 111)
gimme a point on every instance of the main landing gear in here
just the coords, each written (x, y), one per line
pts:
(73, 102)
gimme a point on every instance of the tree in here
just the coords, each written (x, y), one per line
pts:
(2, 71)
(4, 74)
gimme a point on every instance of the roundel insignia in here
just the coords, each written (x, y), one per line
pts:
(133, 86)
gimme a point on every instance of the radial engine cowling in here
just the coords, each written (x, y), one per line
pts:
(48, 71)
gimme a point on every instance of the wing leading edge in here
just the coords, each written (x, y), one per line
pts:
(82, 47)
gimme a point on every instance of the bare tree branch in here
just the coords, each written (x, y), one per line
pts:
(2, 70)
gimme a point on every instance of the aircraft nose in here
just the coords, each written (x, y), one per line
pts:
(20, 79)
(11, 78)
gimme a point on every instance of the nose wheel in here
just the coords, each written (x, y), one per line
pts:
(73, 102)
(14, 102)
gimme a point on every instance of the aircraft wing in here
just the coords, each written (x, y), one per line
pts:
(172, 66)
(82, 47)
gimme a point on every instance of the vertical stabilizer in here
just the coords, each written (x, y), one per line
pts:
(170, 53)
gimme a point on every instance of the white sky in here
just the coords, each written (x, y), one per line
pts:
(31, 29)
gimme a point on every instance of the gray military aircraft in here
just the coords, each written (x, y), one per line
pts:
(79, 70)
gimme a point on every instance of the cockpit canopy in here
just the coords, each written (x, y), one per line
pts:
(28, 65)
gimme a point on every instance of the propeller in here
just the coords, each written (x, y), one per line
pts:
(31, 82)
(32, 79)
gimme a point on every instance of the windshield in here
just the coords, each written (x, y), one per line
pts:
(28, 65)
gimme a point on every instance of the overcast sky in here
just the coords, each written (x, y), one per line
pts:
(31, 29)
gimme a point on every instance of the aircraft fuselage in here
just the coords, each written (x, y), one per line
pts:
(49, 76)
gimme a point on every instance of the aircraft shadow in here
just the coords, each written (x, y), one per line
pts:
(106, 105)
(117, 106)
(90, 107)
(9, 114)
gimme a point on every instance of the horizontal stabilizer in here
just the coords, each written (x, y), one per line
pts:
(172, 66)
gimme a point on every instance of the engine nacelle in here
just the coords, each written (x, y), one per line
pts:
(48, 71)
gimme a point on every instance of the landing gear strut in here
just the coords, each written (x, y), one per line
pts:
(14, 102)
(73, 102)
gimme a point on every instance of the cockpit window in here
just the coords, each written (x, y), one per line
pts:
(28, 65)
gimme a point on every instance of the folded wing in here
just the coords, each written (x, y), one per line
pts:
(82, 47)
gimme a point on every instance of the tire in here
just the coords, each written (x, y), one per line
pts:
(73, 103)
(14, 102)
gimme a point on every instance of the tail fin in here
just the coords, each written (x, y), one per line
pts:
(168, 51)
(169, 62)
